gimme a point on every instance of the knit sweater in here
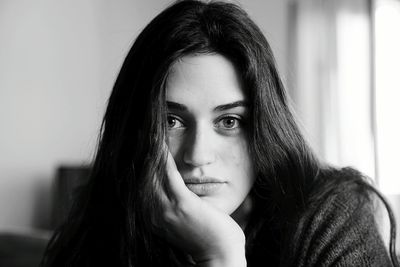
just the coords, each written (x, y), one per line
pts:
(337, 228)
(341, 231)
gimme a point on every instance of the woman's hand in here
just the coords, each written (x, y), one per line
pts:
(209, 236)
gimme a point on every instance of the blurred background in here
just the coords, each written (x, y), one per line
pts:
(59, 59)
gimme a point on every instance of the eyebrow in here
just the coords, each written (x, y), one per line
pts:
(181, 107)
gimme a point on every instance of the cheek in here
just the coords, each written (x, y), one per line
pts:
(174, 145)
(237, 160)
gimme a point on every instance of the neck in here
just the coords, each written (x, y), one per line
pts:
(242, 213)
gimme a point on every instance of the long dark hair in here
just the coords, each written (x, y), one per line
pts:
(110, 223)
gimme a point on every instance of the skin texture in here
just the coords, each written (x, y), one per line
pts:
(208, 236)
(206, 140)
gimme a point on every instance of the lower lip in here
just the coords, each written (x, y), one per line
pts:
(203, 189)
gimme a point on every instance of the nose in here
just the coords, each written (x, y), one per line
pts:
(199, 148)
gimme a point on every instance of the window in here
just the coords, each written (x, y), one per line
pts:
(387, 94)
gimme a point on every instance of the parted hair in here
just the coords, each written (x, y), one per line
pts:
(110, 220)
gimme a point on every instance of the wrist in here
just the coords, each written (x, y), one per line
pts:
(229, 258)
(227, 262)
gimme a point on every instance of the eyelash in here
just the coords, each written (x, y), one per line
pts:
(238, 120)
(170, 116)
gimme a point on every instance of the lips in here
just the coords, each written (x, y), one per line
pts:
(203, 186)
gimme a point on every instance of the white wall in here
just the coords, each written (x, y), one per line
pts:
(58, 62)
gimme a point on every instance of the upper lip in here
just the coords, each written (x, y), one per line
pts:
(202, 180)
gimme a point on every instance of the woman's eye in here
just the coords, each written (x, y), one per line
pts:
(229, 123)
(173, 122)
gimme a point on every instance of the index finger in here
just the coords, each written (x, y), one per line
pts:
(175, 184)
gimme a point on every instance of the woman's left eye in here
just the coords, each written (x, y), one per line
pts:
(229, 123)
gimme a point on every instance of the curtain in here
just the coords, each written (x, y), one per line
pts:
(344, 59)
(330, 60)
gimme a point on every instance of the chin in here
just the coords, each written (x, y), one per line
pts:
(219, 205)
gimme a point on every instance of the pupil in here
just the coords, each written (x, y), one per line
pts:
(229, 122)
(171, 122)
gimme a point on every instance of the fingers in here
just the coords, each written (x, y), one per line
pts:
(159, 190)
(170, 191)
(172, 188)
(175, 185)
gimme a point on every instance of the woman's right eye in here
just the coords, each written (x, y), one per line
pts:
(174, 123)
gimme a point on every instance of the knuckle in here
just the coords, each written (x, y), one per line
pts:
(169, 217)
(176, 212)
(182, 209)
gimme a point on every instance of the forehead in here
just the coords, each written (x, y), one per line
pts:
(205, 78)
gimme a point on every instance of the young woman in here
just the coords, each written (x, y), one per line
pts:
(200, 162)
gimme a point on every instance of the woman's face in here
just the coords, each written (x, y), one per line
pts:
(207, 118)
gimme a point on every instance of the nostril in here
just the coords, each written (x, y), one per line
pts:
(198, 155)
(199, 145)
(198, 159)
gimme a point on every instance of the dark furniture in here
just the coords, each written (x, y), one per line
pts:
(25, 248)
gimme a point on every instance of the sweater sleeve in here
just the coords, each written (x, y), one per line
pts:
(341, 231)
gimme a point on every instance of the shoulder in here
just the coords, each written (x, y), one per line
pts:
(339, 190)
(338, 227)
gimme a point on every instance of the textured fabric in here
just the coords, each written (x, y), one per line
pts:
(341, 231)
